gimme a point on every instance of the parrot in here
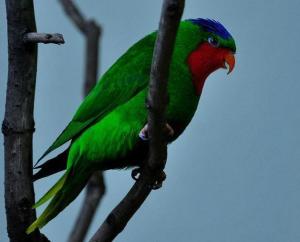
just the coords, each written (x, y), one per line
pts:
(109, 129)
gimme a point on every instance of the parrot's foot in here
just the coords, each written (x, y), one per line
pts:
(159, 180)
(136, 173)
(168, 131)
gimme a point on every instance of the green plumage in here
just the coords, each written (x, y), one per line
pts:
(105, 128)
(128, 77)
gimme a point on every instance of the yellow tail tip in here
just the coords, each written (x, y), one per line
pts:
(32, 227)
(34, 206)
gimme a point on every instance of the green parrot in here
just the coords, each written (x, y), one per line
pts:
(109, 130)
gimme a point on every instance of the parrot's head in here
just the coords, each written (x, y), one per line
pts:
(215, 49)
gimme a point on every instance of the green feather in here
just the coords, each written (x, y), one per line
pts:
(63, 193)
(106, 126)
(38, 223)
(58, 185)
(128, 76)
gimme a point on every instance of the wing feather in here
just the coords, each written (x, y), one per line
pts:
(127, 77)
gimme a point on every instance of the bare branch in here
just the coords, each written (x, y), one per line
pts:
(18, 124)
(92, 34)
(123, 212)
(74, 14)
(94, 193)
(157, 100)
(96, 186)
(43, 38)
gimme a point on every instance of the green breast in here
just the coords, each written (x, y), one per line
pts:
(183, 99)
(115, 134)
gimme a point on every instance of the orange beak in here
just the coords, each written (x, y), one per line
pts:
(229, 62)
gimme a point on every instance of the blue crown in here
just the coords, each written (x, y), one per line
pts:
(212, 26)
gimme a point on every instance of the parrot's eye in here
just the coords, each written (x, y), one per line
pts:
(213, 41)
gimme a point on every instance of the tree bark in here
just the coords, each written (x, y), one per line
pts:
(95, 188)
(156, 104)
(92, 35)
(18, 124)
(44, 38)
(94, 193)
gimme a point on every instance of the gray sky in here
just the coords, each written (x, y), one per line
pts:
(234, 174)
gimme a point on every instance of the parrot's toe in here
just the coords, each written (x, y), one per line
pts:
(168, 132)
(159, 181)
(144, 133)
(136, 173)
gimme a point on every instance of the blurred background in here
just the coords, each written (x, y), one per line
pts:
(234, 175)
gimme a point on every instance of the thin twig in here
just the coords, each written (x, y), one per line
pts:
(157, 100)
(96, 187)
(43, 38)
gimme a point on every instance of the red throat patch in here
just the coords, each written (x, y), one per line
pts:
(203, 61)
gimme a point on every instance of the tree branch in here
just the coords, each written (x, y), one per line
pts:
(92, 35)
(18, 124)
(96, 186)
(157, 102)
(43, 38)
(94, 193)
(74, 14)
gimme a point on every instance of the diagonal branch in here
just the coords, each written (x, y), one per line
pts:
(157, 102)
(74, 14)
(96, 186)
(92, 34)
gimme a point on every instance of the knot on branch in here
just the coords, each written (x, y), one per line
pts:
(173, 8)
(8, 129)
(92, 27)
(5, 128)
(117, 223)
(111, 220)
(24, 204)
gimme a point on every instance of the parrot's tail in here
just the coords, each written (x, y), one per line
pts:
(63, 192)
(52, 166)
